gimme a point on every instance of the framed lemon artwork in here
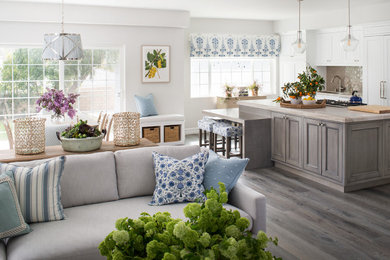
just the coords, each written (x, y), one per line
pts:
(155, 64)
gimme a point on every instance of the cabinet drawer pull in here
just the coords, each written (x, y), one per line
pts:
(356, 60)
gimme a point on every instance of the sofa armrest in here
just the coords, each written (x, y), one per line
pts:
(3, 251)
(252, 202)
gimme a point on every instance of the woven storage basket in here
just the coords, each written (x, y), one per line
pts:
(29, 135)
(126, 128)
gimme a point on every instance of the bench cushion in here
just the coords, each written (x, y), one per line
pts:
(79, 236)
(161, 118)
(135, 168)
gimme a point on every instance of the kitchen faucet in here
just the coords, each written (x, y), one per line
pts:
(341, 88)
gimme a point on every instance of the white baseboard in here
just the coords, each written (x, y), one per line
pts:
(191, 131)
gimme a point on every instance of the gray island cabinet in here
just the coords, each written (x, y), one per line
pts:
(334, 146)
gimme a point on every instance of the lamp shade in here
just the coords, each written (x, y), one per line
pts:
(62, 46)
(299, 46)
(349, 43)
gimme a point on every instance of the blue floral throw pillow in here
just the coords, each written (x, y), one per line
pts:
(178, 180)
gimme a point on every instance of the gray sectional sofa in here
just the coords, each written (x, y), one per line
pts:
(99, 188)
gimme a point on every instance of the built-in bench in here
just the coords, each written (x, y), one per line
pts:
(163, 129)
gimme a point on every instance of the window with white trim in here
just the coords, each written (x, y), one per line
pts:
(24, 76)
(209, 75)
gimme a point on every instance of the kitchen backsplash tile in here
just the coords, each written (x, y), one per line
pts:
(352, 78)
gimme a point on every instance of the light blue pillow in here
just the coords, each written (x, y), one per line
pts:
(145, 105)
(39, 190)
(11, 217)
(223, 170)
(179, 180)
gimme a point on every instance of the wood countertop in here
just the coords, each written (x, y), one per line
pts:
(329, 113)
(8, 156)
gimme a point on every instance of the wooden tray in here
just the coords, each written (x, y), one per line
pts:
(319, 104)
(371, 109)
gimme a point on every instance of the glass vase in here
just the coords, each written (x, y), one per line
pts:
(57, 119)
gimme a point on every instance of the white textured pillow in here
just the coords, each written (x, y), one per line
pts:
(38, 190)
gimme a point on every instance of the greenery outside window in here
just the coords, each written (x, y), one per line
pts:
(209, 75)
(24, 76)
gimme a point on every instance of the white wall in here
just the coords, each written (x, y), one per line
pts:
(193, 106)
(25, 23)
(168, 96)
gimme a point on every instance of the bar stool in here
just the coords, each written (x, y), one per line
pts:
(205, 126)
(228, 131)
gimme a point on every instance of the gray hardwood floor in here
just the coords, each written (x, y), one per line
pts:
(312, 221)
(315, 222)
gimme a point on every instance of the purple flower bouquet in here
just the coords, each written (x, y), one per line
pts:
(56, 101)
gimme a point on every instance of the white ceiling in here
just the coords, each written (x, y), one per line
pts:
(234, 9)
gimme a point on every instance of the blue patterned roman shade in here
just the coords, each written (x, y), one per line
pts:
(220, 45)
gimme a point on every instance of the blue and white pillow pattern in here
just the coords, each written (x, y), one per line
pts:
(38, 190)
(179, 180)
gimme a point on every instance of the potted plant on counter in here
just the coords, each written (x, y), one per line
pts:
(228, 91)
(311, 83)
(254, 88)
(304, 90)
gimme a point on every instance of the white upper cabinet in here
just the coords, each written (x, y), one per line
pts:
(323, 47)
(328, 50)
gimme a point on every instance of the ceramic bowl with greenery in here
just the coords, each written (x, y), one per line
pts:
(81, 137)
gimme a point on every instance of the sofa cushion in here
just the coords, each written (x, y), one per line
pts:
(79, 236)
(135, 168)
(179, 180)
(39, 189)
(89, 178)
(86, 179)
(3, 252)
(223, 170)
(11, 217)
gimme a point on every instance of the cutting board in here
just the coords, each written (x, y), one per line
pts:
(371, 109)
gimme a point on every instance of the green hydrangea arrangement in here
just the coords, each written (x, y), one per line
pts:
(210, 232)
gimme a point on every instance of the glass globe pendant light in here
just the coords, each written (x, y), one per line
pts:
(62, 46)
(299, 46)
(349, 43)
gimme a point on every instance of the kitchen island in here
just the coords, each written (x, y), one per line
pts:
(342, 149)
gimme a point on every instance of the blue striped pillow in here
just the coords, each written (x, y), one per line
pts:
(38, 190)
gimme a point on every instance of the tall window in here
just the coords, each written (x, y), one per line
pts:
(209, 75)
(24, 77)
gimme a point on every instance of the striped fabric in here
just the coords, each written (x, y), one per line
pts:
(39, 190)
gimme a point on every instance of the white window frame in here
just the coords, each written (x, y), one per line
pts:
(273, 73)
(61, 76)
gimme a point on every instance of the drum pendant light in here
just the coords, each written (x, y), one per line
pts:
(62, 46)
(299, 46)
(349, 43)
